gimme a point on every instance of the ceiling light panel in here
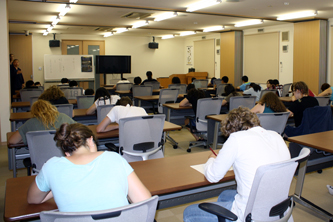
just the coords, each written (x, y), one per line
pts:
(140, 24)
(297, 15)
(214, 28)
(187, 33)
(250, 22)
(202, 4)
(164, 16)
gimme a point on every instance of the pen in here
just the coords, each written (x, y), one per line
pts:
(212, 151)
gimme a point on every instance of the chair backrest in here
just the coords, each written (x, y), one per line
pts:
(263, 92)
(245, 101)
(142, 90)
(154, 84)
(84, 102)
(220, 89)
(143, 211)
(66, 109)
(124, 86)
(323, 100)
(102, 111)
(72, 92)
(205, 107)
(200, 83)
(140, 137)
(285, 89)
(167, 96)
(42, 147)
(274, 121)
(130, 79)
(270, 187)
(27, 93)
(32, 100)
(181, 87)
(217, 82)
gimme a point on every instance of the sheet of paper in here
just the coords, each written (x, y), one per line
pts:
(200, 168)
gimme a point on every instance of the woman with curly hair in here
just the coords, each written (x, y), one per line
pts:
(54, 95)
(269, 103)
(45, 117)
(248, 147)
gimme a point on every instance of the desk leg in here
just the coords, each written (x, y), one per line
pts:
(14, 161)
(216, 134)
(139, 102)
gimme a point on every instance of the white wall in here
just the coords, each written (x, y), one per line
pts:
(166, 60)
(5, 80)
(286, 68)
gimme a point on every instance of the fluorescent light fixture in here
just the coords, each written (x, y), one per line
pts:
(250, 22)
(108, 34)
(64, 10)
(45, 32)
(50, 28)
(120, 30)
(140, 24)
(202, 4)
(168, 37)
(72, 1)
(56, 20)
(164, 16)
(297, 15)
(187, 33)
(214, 28)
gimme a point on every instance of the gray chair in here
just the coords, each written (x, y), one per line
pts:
(154, 84)
(102, 111)
(323, 100)
(66, 109)
(263, 92)
(125, 86)
(84, 102)
(274, 121)
(181, 87)
(72, 92)
(32, 100)
(217, 82)
(140, 137)
(25, 94)
(220, 89)
(200, 83)
(143, 211)
(42, 147)
(245, 101)
(285, 89)
(167, 96)
(205, 107)
(141, 91)
(269, 196)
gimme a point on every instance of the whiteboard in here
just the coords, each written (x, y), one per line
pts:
(79, 67)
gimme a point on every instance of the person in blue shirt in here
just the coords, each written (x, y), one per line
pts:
(84, 179)
(245, 81)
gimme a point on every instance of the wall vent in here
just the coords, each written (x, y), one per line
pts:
(136, 15)
(260, 30)
(218, 42)
(285, 36)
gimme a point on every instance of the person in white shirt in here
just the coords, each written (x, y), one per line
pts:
(248, 147)
(122, 109)
(254, 90)
(102, 97)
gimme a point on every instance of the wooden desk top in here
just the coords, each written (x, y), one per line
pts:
(176, 106)
(285, 99)
(27, 104)
(81, 112)
(321, 141)
(160, 176)
(219, 117)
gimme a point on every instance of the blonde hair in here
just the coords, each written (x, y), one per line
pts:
(45, 112)
(52, 93)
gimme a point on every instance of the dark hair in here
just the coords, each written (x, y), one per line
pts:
(271, 100)
(124, 101)
(37, 83)
(123, 78)
(225, 79)
(195, 94)
(212, 80)
(137, 80)
(189, 87)
(29, 84)
(89, 92)
(193, 78)
(255, 87)
(325, 86)
(149, 75)
(73, 83)
(64, 80)
(102, 92)
(271, 82)
(69, 137)
(245, 79)
(276, 82)
(229, 88)
(301, 86)
(175, 80)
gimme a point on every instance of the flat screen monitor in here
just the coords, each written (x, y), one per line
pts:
(113, 64)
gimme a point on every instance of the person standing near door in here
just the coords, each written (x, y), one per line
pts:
(16, 77)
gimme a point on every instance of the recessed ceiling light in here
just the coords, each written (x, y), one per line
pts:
(297, 15)
(202, 4)
(286, 3)
(250, 22)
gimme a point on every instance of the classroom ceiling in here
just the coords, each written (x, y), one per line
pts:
(96, 17)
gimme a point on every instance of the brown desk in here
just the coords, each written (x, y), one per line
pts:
(321, 141)
(170, 178)
(213, 128)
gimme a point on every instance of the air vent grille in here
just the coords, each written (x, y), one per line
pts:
(136, 15)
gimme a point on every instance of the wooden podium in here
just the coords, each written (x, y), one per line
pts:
(184, 78)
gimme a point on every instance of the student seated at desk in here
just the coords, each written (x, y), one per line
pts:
(248, 147)
(245, 81)
(45, 117)
(269, 103)
(229, 92)
(30, 85)
(211, 84)
(122, 109)
(102, 97)
(149, 75)
(54, 95)
(85, 180)
(327, 90)
(89, 92)
(254, 90)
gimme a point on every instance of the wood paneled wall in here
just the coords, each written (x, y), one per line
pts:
(310, 53)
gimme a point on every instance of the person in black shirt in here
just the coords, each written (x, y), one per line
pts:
(149, 75)
(16, 77)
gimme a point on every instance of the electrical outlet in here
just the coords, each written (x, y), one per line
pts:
(40, 68)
